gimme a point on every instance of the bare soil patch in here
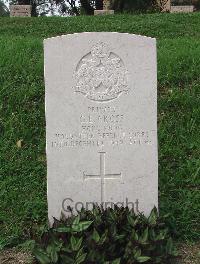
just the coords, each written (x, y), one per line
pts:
(190, 254)
(13, 256)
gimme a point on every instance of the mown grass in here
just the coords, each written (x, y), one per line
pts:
(23, 169)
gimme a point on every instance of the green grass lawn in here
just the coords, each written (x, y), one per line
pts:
(23, 169)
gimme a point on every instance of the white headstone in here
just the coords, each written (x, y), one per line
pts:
(101, 121)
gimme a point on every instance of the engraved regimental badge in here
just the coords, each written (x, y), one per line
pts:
(101, 75)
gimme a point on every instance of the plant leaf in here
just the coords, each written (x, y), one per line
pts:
(66, 259)
(19, 143)
(54, 255)
(41, 256)
(64, 229)
(80, 252)
(81, 258)
(169, 246)
(152, 219)
(76, 220)
(116, 261)
(137, 253)
(81, 226)
(95, 236)
(143, 259)
(144, 237)
(103, 237)
(73, 242)
(78, 243)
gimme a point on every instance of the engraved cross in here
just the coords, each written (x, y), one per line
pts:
(102, 176)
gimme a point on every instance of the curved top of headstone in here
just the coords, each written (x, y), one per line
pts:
(100, 73)
(94, 34)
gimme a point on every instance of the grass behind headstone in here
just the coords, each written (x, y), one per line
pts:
(22, 120)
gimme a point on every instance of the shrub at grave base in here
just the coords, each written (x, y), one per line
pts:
(107, 236)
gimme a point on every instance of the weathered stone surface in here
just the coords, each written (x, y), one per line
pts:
(166, 7)
(182, 9)
(103, 12)
(20, 10)
(106, 4)
(101, 121)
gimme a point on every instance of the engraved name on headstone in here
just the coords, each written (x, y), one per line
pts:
(101, 121)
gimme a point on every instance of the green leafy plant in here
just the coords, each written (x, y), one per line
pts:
(106, 236)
